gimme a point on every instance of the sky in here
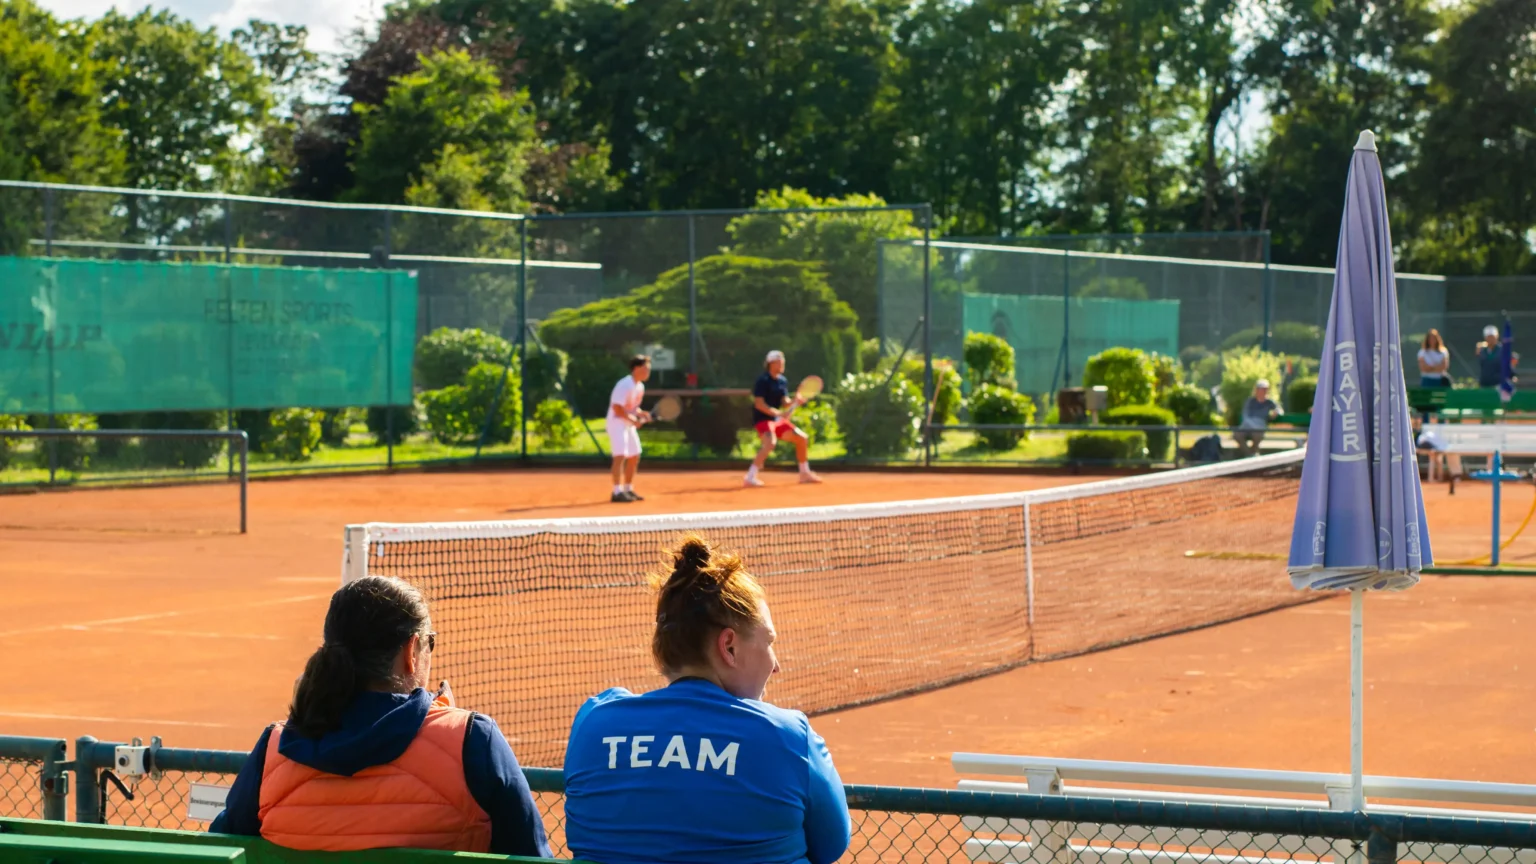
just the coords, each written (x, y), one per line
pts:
(329, 21)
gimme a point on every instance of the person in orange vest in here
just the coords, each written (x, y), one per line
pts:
(369, 758)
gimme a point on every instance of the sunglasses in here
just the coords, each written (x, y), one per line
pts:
(431, 642)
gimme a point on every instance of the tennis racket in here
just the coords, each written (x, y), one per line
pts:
(667, 409)
(810, 387)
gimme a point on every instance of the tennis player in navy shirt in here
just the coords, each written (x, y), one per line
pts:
(703, 771)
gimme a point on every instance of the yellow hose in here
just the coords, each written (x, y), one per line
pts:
(1488, 559)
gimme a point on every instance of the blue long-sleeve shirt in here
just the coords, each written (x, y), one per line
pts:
(376, 729)
(691, 774)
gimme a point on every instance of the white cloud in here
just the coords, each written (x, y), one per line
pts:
(329, 21)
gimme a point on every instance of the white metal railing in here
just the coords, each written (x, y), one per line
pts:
(1069, 843)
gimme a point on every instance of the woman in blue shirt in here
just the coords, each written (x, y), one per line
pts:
(638, 767)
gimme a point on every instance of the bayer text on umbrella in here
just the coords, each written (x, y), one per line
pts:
(1347, 444)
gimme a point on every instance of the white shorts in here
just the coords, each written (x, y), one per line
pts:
(623, 439)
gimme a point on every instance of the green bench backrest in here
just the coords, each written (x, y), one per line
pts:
(255, 849)
(1480, 399)
(24, 849)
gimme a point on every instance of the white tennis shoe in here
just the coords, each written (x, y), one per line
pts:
(751, 482)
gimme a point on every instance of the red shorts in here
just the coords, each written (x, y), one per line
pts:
(778, 427)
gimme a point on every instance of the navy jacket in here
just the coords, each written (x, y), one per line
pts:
(376, 729)
(693, 775)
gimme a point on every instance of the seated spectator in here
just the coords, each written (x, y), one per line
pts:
(1257, 412)
(369, 759)
(703, 770)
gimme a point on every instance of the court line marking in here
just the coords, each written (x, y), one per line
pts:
(23, 715)
(80, 628)
(86, 625)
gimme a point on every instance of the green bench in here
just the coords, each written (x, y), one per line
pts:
(39, 841)
(1483, 403)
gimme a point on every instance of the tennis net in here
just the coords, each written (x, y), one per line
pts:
(871, 601)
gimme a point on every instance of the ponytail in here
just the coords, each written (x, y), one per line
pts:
(369, 621)
(704, 592)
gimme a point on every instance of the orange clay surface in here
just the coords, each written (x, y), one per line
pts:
(121, 619)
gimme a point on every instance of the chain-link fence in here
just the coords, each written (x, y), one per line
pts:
(889, 824)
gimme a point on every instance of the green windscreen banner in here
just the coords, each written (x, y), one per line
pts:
(103, 337)
(1033, 325)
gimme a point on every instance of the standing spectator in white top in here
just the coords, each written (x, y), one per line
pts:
(624, 421)
(1434, 361)
(1257, 412)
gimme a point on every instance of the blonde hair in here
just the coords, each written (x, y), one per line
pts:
(701, 592)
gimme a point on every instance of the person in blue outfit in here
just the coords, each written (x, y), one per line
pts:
(637, 767)
(368, 758)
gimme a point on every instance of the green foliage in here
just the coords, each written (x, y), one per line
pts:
(1107, 446)
(257, 426)
(555, 425)
(457, 414)
(870, 355)
(185, 100)
(546, 369)
(878, 419)
(295, 434)
(991, 404)
(1113, 288)
(1127, 372)
(1166, 373)
(445, 356)
(818, 419)
(403, 420)
(1241, 368)
(947, 396)
(988, 360)
(846, 244)
(1190, 405)
(447, 135)
(68, 454)
(1300, 394)
(1288, 337)
(9, 446)
(746, 306)
(1158, 441)
(336, 425)
(180, 452)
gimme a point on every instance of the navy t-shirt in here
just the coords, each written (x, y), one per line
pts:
(773, 389)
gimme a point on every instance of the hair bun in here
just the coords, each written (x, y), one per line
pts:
(693, 554)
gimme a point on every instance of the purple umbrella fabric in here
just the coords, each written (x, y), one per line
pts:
(1360, 511)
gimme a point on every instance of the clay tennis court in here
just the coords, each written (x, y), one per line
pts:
(127, 616)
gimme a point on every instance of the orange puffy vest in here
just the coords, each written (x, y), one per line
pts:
(419, 800)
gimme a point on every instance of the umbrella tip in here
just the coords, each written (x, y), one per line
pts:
(1367, 141)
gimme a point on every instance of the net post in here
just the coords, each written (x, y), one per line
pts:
(354, 555)
(245, 477)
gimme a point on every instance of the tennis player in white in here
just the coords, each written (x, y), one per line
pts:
(624, 421)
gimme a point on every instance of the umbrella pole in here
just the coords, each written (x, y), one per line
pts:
(1356, 699)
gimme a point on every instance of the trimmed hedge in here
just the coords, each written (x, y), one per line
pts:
(988, 359)
(555, 425)
(1190, 405)
(1300, 394)
(445, 356)
(1158, 441)
(407, 419)
(457, 414)
(1107, 446)
(295, 434)
(1127, 372)
(993, 404)
(878, 419)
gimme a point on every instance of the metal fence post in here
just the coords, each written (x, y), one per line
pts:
(522, 335)
(55, 783)
(245, 477)
(87, 784)
(48, 222)
(1269, 293)
(389, 357)
(693, 306)
(928, 394)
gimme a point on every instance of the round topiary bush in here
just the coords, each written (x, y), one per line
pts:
(878, 418)
(294, 434)
(1191, 405)
(1300, 394)
(555, 425)
(457, 414)
(991, 404)
(1127, 372)
(1106, 446)
(1158, 440)
(445, 356)
(988, 359)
